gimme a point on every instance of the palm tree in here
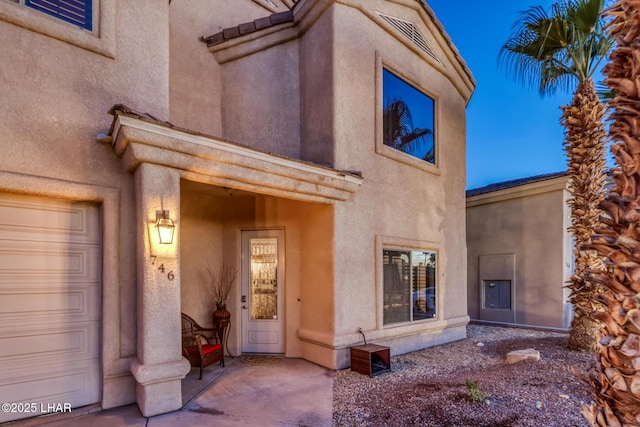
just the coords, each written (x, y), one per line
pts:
(557, 50)
(399, 132)
(616, 388)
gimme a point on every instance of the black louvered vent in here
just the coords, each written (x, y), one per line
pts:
(410, 31)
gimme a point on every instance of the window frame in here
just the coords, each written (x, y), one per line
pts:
(384, 244)
(35, 4)
(390, 152)
(101, 39)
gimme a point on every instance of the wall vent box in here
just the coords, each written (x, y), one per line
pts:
(497, 294)
(370, 359)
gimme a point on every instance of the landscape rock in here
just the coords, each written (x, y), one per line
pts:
(522, 355)
(428, 387)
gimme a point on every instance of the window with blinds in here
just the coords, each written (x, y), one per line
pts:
(409, 285)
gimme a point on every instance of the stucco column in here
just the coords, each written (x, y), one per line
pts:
(160, 366)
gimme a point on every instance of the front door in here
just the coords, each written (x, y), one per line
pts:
(263, 291)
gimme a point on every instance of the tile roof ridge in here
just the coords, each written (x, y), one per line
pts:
(248, 27)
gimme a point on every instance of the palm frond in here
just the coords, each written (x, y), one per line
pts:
(568, 38)
(556, 77)
(413, 140)
(586, 15)
(605, 93)
(399, 132)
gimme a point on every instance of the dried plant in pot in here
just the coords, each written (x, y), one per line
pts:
(221, 282)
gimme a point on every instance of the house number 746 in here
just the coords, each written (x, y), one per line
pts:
(170, 275)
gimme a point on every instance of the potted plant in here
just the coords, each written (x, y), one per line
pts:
(221, 282)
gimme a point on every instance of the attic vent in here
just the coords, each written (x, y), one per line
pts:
(409, 30)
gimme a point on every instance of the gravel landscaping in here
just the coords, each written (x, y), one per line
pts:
(469, 383)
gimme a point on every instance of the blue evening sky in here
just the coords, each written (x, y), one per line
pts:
(511, 131)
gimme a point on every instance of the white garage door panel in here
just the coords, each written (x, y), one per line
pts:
(52, 384)
(82, 303)
(50, 270)
(43, 389)
(73, 378)
(53, 262)
(26, 347)
(27, 218)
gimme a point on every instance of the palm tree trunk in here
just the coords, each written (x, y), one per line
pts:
(616, 387)
(585, 148)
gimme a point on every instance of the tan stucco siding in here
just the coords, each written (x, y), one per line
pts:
(307, 89)
(194, 83)
(56, 96)
(317, 92)
(261, 98)
(212, 223)
(60, 93)
(399, 204)
(531, 227)
(196, 79)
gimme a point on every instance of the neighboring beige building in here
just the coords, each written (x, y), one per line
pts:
(520, 252)
(265, 129)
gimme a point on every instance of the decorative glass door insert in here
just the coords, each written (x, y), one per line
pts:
(264, 279)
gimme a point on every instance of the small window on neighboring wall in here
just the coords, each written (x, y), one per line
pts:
(408, 117)
(77, 12)
(409, 282)
(497, 294)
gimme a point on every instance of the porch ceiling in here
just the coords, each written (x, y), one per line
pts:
(138, 138)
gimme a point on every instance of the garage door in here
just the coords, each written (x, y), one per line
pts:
(50, 254)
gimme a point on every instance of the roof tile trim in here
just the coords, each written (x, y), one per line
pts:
(513, 183)
(249, 27)
(287, 16)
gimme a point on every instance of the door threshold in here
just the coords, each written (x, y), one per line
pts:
(281, 355)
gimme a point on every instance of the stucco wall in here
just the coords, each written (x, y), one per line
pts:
(212, 222)
(57, 84)
(194, 79)
(312, 95)
(261, 97)
(317, 92)
(415, 207)
(530, 226)
(326, 97)
(202, 230)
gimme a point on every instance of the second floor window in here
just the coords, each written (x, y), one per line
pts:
(408, 117)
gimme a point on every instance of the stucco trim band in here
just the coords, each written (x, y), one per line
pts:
(161, 372)
(387, 335)
(210, 160)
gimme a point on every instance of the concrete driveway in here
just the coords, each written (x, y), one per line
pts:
(284, 392)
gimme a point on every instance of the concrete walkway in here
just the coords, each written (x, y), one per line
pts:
(287, 392)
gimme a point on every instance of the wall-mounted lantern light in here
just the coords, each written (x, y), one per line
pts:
(165, 227)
